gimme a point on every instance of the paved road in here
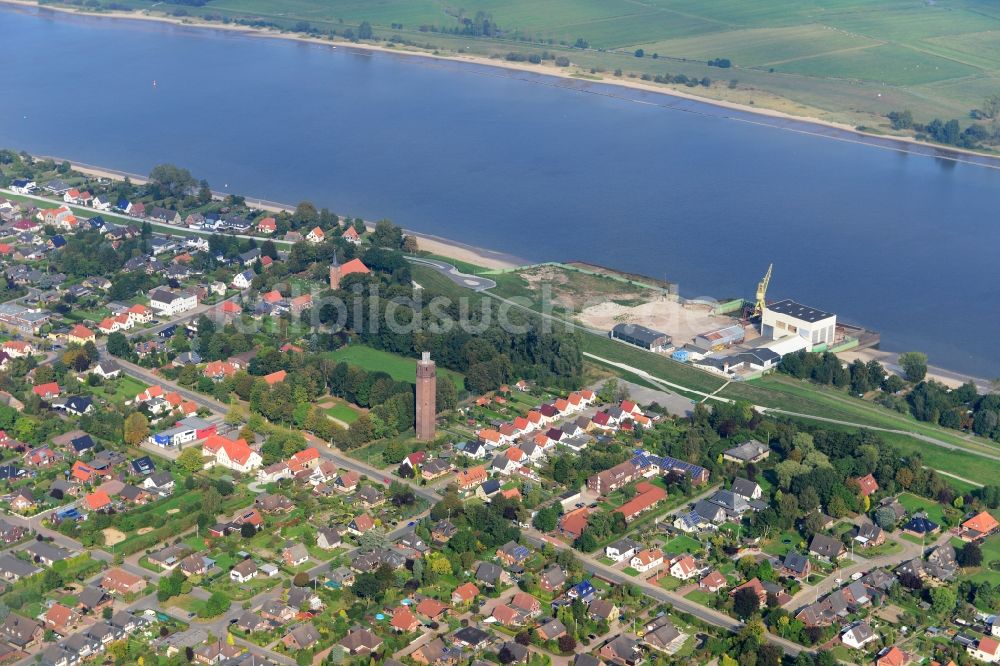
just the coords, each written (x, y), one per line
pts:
(473, 282)
(704, 613)
(861, 564)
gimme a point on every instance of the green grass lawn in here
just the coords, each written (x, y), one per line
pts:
(682, 544)
(400, 368)
(343, 412)
(120, 390)
(777, 546)
(630, 571)
(913, 503)
(699, 596)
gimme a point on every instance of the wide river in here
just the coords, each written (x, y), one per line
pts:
(905, 243)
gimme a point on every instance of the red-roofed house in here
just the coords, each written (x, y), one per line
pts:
(573, 523)
(360, 524)
(140, 314)
(648, 497)
(98, 500)
(891, 656)
(630, 407)
(232, 454)
(754, 585)
(82, 471)
(647, 559)
(985, 649)
(471, 478)
(683, 567)
(119, 581)
(268, 225)
(351, 235)
(59, 618)
(47, 391)
(80, 335)
(979, 526)
(403, 621)
(275, 377)
(317, 235)
(867, 485)
(305, 459)
(18, 348)
(431, 608)
(713, 582)
(464, 593)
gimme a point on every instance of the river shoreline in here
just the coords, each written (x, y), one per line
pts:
(752, 114)
(492, 259)
(445, 247)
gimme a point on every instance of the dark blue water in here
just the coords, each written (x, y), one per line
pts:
(903, 243)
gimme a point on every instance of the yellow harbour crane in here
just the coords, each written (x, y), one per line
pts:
(759, 306)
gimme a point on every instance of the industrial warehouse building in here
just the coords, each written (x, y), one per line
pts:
(720, 338)
(787, 318)
(640, 336)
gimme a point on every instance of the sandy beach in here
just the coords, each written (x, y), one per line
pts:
(848, 132)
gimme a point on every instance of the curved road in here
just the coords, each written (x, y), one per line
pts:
(473, 282)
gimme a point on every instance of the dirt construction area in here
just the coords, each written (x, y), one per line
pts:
(681, 322)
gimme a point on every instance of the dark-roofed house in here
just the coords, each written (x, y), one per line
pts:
(622, 650)
(748, 490)
(796, 565)
(552, 579)
(826, 547)
(920, 525)
(750, 451)
(513, 553)
(21, 631)
(489, 574)
(303, 637)
(551, 630)
(360, 641)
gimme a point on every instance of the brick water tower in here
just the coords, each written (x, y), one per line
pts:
(426, 392)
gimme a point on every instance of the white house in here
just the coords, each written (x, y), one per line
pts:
(986, 649)
(23, 186)
(858, 636)
(244, 571)
(231, 454)
(169, 303)
(244, 280)
(647, 559)
(683, 567)
(621, 550)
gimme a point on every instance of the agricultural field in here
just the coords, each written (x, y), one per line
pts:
(800, 57)
(400, 368)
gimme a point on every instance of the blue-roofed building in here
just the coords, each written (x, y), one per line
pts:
(489, 488)
(584, 591)
(57, 241)
(82, 443)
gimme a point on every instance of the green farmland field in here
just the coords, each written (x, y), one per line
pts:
(400, 368)
(848, 60)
